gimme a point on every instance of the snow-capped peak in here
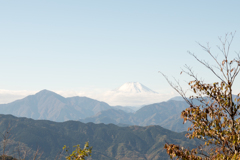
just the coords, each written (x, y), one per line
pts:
(134, 87)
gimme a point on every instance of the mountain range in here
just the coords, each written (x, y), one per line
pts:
(47, 105)
(128, 94)
(109, 141)
(166, 114)
(115, 132)
(51, 106)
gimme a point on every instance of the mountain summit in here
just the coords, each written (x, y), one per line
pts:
(51, 106)
(134, 87)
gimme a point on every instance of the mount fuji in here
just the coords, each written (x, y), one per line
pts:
(131, 94)
(133, 87)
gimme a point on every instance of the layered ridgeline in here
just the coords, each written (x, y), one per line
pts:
(108, 141)
(51, 106)
(48, 105)
(166, 114)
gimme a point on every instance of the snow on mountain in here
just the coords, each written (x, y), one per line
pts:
(134, 87)
(129, 94)
(177, 98)
(132, 94)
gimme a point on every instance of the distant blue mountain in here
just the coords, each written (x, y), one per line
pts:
(166, 114)
(51, 106)
(48, 105)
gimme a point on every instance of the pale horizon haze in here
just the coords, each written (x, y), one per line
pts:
(88, 48)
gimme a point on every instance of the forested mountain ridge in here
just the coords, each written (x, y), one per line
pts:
(109, 141)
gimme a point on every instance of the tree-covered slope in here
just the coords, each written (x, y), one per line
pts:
(108, 141)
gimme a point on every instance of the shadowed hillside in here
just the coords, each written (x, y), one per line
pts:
(108, 141)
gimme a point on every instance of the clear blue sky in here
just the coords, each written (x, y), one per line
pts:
(67, 45)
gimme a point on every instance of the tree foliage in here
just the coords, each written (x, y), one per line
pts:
(213, 109)
(78, 153)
